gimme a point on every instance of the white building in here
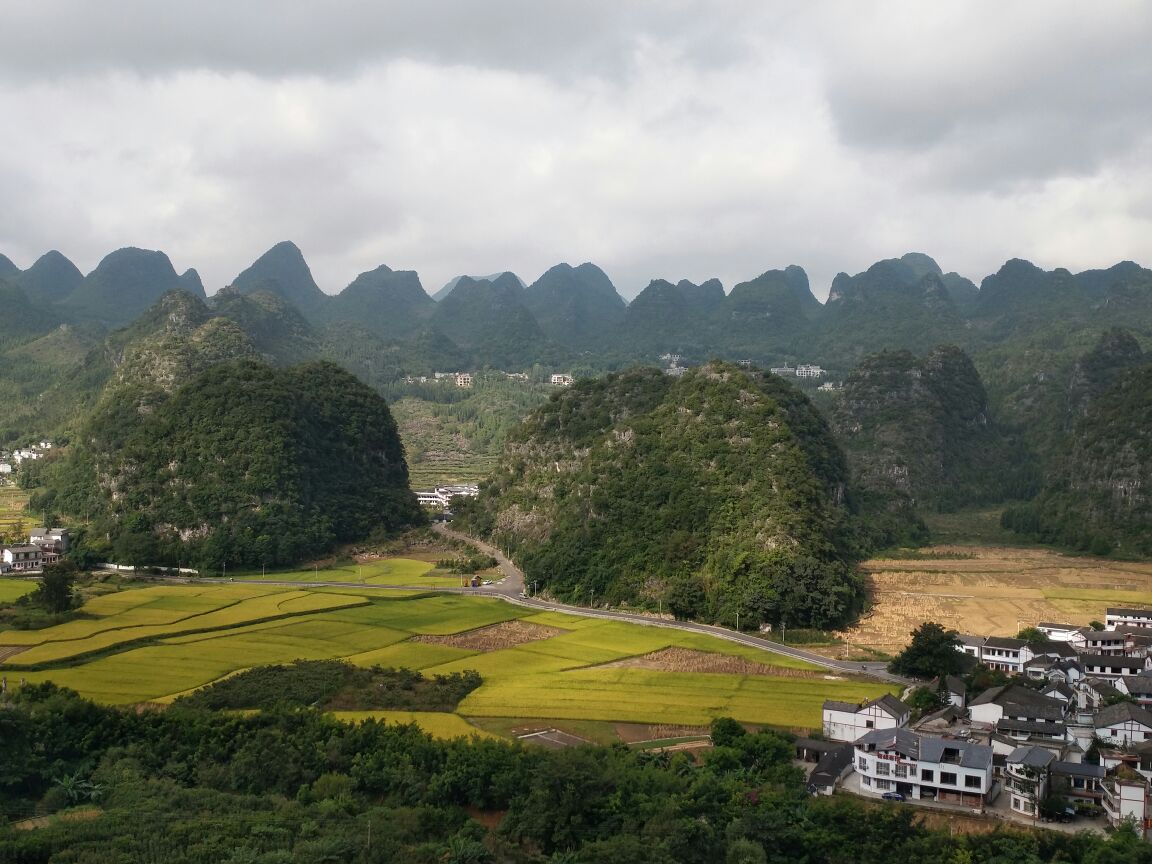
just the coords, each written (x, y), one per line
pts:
(921, 767)
(442, 496)
(1027, 777)
(561, 380)
(847, 721)
(1113, 667)
(1125, 799)
(807, 371)
(1123, 724)
(23, 558)
(1120, 617)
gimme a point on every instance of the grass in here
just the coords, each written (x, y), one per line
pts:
(553, 682)
(14, 589)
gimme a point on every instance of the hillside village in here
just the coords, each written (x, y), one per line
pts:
(44, 547)
(1069, 734)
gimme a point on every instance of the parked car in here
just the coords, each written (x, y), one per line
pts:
(892, 796)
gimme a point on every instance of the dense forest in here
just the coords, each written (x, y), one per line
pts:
(717, 493)
(193, 786)
(244, 465)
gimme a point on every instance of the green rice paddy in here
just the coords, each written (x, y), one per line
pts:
(152, 644)
(14, 589)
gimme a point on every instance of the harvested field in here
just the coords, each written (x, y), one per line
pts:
(507, 634)
(992, 591)
(687, 660)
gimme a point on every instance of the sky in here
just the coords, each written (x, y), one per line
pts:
(657, 138)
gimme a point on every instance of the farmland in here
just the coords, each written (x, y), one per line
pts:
(152, 644)
(399, 572)
(992, 591)
(14, 522)
(11, 589)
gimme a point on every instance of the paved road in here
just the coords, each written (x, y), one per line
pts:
(511, 588)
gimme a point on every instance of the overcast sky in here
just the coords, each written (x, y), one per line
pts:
(658, 138)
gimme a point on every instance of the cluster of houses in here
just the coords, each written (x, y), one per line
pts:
(10, 460)
(466, 379)
(803, 370)
(44, 546)
(442, 496)
(1081, 691)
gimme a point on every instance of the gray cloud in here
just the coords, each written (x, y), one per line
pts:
(658, 139)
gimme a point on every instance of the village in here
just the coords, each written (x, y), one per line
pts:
(1067, 737)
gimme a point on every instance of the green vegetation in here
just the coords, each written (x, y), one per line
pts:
(334, 685)
(190, 785)
(243, 465)
(933, 652)
(721, 492)
(919, 432)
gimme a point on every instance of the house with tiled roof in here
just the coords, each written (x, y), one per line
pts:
(847, 721)
(1123, 724)
(922, 767)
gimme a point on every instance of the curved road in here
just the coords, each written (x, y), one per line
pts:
(511, 588)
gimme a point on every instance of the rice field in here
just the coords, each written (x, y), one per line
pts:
(399, 572)
(993, 591)
(14, 589)
(14, 522)
(197, 634)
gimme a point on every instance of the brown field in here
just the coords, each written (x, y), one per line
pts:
(687, 660)
(992, 591)
(507, 634)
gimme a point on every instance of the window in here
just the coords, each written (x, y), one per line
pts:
(883, 769)
(948, 778)
(867, 780)
(972, 782)
(869, 724)
(928, 775)
(862, 764)
(883, 784)
(901, 770)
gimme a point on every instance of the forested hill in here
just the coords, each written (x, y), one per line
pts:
(243, 464)
(921, 430)
(717, 493)
(1098, 497)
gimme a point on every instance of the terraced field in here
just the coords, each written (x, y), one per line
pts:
(14, 522)
(153, 644)
(387, 572)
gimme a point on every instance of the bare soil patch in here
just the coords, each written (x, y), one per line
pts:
(995, 591)
(687, 660)
(507, 634)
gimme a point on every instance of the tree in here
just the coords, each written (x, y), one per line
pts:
(933, 651)
(1032, 635)
(54, 592)
(923, 700)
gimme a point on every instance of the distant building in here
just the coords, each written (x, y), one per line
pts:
(464, 379)
(806, 371)
(786, 371)
(442, 496)
(562, 380)
(1115, 618)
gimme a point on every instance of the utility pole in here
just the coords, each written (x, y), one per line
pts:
(737, 622)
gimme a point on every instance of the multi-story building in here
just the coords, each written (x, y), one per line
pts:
(847, 721)
(922, 767)
(1120, 617)
(23, 558)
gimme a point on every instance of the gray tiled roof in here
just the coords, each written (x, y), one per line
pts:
(1035, 757)
(1122, 712)
(833, 705)
(901, 740)
(971, 755)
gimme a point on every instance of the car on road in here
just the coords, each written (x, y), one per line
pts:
(892, 796)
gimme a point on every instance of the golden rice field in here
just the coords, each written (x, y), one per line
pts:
(14, 522)
(993, 591)
(399, 572)
(152, 644)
